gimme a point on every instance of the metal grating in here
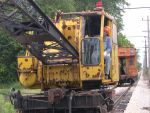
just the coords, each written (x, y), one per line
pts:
(32, 28)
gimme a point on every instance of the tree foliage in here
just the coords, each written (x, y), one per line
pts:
(123, 41)
(9, 51)
(50, 7)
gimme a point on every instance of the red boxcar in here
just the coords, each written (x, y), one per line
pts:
(127, 64)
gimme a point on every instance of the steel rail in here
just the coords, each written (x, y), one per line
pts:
(121, 96)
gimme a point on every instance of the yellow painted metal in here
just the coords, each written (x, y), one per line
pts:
(64, 75)
(102, 47)
(70, 28)
(27, 63)
(90, 72)
(32, 72)
(96, 72)
(61, 76)
(114, 71)
(27, 69)
(28, 79)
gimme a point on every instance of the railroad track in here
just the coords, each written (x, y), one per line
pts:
(121, 96)
(121, 100)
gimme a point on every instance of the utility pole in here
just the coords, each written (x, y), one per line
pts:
(148, 42)
(148, 39)
(145, 59)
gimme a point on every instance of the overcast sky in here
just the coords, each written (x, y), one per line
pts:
(133, 24)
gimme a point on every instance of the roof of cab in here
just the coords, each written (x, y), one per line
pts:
(89, 12)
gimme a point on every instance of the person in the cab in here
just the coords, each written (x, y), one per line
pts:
(107, 51)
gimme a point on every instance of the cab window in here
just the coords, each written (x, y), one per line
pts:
(90, 51)
(92, 25)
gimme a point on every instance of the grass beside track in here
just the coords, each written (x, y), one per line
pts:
(5, 105)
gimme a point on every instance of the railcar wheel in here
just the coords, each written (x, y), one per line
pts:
(131, 81)
(103, 109)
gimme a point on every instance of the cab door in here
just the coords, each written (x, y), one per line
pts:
(90, 65)
(114, 72)
(90, 61)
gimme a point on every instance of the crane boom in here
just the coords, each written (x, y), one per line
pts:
(26, 22)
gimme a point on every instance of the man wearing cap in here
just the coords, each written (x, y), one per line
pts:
(107, 51)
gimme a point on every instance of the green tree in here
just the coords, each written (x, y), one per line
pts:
(123, 41)
(9, 51)
(50, 7)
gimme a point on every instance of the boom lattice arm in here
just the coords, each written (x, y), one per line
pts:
(20, 17)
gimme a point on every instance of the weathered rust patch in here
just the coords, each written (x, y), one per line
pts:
(55, 95)
(69, 37)
(69, 28)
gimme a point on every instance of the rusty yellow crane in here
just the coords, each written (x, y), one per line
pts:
(64, 58)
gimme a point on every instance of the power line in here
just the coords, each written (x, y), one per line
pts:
(135, 8)
(141, 47)
(136, 36)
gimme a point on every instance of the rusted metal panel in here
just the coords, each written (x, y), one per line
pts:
(55, 95)
(62, 76)
(124, 52)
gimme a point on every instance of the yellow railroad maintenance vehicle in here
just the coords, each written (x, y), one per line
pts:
(64, 58)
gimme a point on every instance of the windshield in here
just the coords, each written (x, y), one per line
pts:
(90, 51)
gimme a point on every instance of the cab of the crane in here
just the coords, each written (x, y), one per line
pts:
(88, 39)
(92, 50)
